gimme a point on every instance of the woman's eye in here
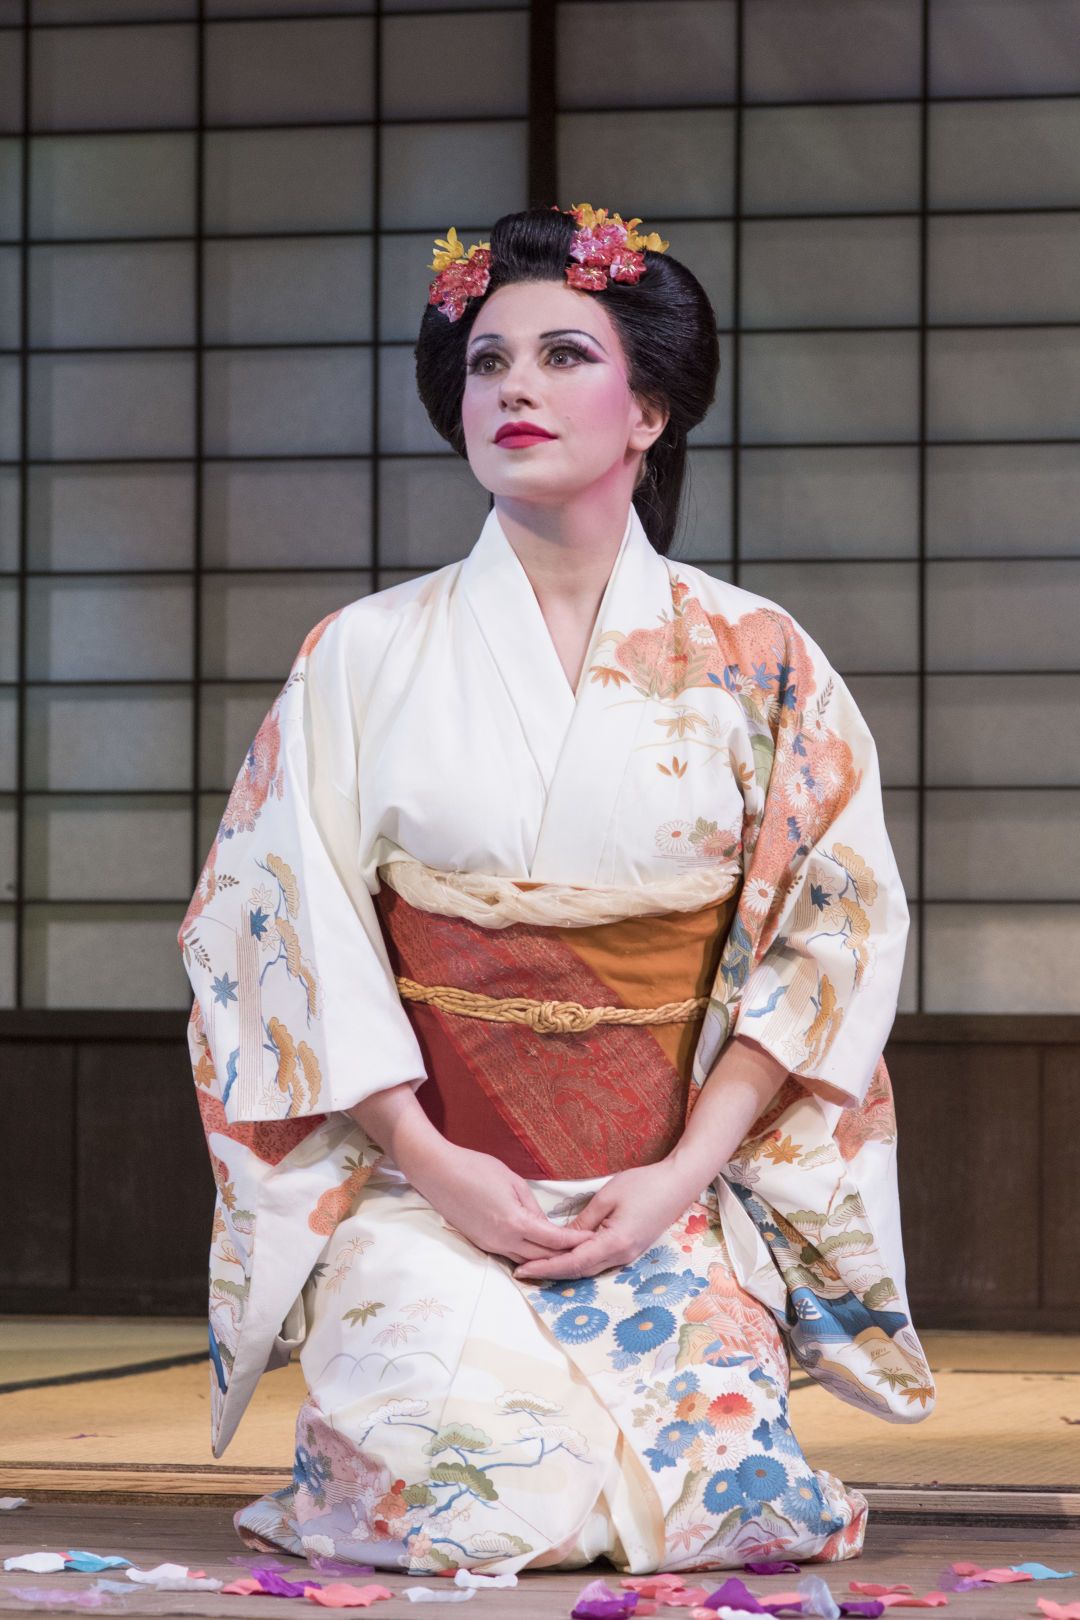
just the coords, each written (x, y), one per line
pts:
(483, 364)
(565, 352)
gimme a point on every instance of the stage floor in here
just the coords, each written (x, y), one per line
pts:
(201, 1537)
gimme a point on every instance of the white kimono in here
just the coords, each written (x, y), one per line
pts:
(427, 737)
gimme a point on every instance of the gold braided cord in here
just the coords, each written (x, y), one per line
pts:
(546, 1017)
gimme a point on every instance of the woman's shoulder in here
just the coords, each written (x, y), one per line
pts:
(749, 626)
(365, 627)
(720, 596)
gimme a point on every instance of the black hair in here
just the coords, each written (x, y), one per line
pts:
(668, 331)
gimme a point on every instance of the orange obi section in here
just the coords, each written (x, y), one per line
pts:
(560, 1107)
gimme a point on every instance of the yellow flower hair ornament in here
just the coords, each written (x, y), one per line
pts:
(604, 248)
(607, 247)
(461, 274)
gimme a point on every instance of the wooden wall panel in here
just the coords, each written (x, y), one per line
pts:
(1061, 1179)
(144, 1189)
(970, 1140)
(109, 1168)
(35, 1221)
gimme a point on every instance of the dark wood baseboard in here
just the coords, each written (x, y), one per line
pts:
(109, 1192)
(185, 1300)
(951, 1029)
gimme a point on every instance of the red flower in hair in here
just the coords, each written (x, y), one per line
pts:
(588, 278)
(461, 280)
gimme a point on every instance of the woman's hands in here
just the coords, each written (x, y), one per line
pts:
(620, 1222)
(478, 1195)
(492, 1206)
(636, 1207)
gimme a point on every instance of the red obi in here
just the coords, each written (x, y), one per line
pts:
(559, 1107)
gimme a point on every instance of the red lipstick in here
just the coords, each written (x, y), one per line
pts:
(518, 435)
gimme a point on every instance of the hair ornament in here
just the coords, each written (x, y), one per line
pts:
(605, 246)
(461, 274)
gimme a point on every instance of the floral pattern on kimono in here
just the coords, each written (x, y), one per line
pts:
(797, 972)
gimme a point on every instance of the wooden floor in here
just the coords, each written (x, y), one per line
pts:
(203, 1538)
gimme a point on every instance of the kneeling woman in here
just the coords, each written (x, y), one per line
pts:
(544, 962)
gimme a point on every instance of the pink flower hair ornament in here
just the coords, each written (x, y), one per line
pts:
(604, 247)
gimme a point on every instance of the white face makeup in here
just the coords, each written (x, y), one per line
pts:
(547, 411)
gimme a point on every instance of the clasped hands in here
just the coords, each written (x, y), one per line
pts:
(495, 1208)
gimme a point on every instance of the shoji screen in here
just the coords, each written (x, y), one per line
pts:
(215, 222)
(214, 227)
(883, 197)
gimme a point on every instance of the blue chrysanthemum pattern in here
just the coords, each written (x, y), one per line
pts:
(580, 1324)
(645, 1330)
(761, 1478)
(723, 1492)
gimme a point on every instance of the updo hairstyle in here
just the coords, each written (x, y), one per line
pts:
(668, 332)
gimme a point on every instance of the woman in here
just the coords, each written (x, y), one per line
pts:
(543, 965)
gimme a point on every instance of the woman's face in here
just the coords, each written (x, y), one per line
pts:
(545, 356)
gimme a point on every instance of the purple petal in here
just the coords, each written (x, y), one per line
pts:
(604, 1608)
(277, 1586)
(766, 1566)
(734, 1594)
(950, 1581)
(867, 1606)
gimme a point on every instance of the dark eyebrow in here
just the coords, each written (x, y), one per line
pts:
(574, 331)
(562, 331)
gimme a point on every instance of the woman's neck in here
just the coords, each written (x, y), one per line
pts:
(567, 553)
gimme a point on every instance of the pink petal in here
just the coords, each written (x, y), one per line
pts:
(652, 1585)
(1059, 1611)
(872, 1589)
(897, 1600)
(597, 1591)
(343, 1596)
(242, 1588)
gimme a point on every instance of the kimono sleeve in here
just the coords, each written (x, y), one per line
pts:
(814, 961)
(281, 941)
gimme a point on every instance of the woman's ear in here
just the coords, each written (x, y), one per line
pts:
(649, 423)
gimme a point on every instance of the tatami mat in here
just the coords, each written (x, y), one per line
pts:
(1001, 1418)
(56, 1347)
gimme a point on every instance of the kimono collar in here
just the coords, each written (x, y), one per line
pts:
(574, 738)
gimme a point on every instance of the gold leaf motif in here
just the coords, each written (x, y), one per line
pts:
(311, 984)
(862, 874)
(822, 1032)
(286, 1049)
(312, 1073)
(287, 935)
(291, 888)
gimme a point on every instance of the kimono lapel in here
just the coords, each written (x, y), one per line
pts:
(575, 837)
(505, 610)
